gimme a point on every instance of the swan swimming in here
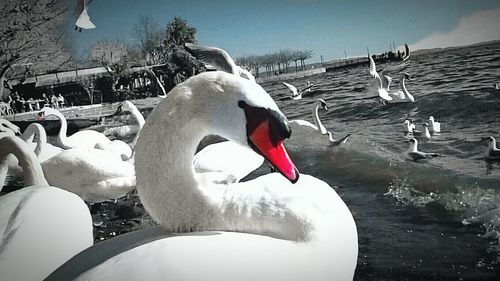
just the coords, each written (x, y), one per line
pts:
(401, 95)
(127, 130)
(416, 155)
(434, 126)
(382, 79)
(296, 94)
(219, 59)
(262, 229)
(305, 127)
(41, 226)
(427, 134)
(492, 152)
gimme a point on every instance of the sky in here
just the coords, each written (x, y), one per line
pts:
(327, 27)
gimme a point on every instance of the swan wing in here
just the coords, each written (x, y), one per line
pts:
(83, 20)
(373, 68)
(227, 157)
(291, 88)
(216, 57)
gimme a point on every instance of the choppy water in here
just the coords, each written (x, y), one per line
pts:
(433, 220)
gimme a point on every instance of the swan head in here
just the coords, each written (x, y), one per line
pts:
(406, 76)
(321, 103)
(237, 109)
(489, 139)
(46, 111)
(431, 119)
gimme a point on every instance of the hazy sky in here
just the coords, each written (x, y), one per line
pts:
(328, 27)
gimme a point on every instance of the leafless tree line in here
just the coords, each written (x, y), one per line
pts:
(276, 63)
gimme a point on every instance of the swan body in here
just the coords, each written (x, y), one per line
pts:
(414, 154)
(492, 152)
(427, 134)
(93, 174)
(383, 80)
(401, 95)
(408, 126)
(127, 130)
(434, 126)
(42, 226)
(262, 229)
(233, 161)
(86, 139)
(80, 139)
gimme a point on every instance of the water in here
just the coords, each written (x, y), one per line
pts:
(434, 220)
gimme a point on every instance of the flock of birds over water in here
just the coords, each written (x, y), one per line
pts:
(284, 225)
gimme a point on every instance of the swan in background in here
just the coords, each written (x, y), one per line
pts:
(127, 130)
(318, 125)
(382, 79)
(219, 59)
(408, 126)
(492, 152)
(434, 126)
(86, 139)
(231, 160)
(41, 226)
(401, 95)
(416, 155)
(335, 142)
(7, 127)
(42, 149)
(262, 229)
(80, 139)
(427, 134)
(497, 86)
(296, 94)
(83, 21)
(95, 175)
(305, 127)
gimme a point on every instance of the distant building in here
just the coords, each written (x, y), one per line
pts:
(109, 51)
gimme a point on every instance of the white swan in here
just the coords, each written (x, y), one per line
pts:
(401, 95)
(434, 126)
(127, 130)
(382, 79)
(408, 126)
(296, 94)
(80, 139)
(416, 155)
(6, 127)
(492, 152)
(94, 174)
(41, 227)
(427, 134)
(263, 229)
(303, 127)
(229, 160)
(86, 139)
(219, 59)
(42, 149)
(83, 21)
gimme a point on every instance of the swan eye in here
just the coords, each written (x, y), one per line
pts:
(279, 128)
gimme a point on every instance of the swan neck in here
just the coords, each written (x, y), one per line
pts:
(32, 170)
(63, 139)
(317, 121)
(35, 130)
(140, 121)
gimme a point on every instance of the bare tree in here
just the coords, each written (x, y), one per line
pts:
(32, 31)
(148, 36)
(305, 55)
